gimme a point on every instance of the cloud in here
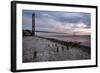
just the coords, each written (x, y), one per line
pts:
(83, 31)
(62, 22)
(55, 26)
(68, 17)
(80, 25)
(27, 21)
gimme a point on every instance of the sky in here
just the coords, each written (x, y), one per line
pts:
(67, 23)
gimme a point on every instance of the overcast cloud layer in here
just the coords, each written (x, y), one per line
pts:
(61, 22)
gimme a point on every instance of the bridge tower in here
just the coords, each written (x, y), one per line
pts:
(33, 24)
